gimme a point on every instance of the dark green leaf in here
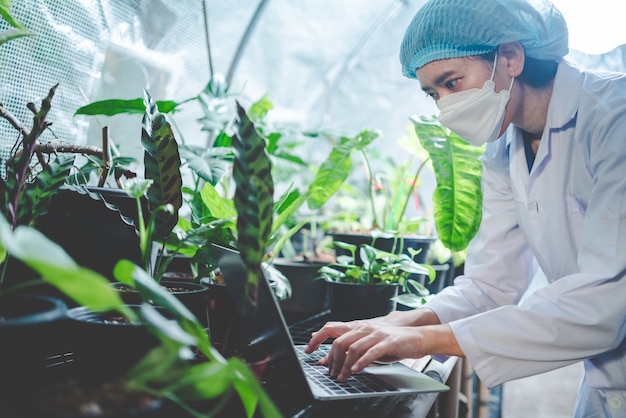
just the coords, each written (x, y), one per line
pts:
(162, 165)
(113, 107)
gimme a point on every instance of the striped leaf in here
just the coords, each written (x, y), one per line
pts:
(162, 165)
(253, 196)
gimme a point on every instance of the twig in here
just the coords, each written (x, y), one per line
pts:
(106, 157)
(13, 120)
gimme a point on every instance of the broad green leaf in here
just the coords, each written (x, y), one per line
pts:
(127, 272)
(56, 267)
(219, 207)
(166, 327)
(162, 165)
(335, 169)
(210, 166)
(113, 107)
(5, 12)
(457, 199)
(260, 108)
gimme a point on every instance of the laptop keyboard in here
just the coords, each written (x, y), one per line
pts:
(357, 383)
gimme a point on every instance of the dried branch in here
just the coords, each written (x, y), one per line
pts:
(13, 120)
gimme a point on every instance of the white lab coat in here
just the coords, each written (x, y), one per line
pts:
(568, 216)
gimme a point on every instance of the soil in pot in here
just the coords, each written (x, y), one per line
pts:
(361, 301)
(194, 296)
(106, 399)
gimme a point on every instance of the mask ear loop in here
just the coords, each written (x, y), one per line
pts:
(493, 71)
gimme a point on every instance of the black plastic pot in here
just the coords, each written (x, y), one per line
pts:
(386, 244)
(31, 337)
(193, 295)
(105, 345)
(221, 311)
(308, 295)
(95, 228)
(361, 301)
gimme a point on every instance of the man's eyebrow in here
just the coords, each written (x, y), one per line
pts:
(440, 80)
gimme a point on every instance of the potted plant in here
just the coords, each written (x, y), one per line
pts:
(370, 288)
(167, 371)
(383, 222)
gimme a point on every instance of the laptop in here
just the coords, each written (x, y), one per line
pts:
(291, 371)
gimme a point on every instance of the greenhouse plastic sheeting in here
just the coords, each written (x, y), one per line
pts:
(325, 64)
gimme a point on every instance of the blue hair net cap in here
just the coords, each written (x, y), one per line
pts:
(459, 28)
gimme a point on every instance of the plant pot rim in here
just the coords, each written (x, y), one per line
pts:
(391, 236)
(193, 287)
(362, 284)
(289, 262)
(84, 314)
(56, 310)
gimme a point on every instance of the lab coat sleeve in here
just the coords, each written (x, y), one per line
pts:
(499, 264)
(579, 316)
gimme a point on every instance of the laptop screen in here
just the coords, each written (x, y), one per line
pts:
(266, 334)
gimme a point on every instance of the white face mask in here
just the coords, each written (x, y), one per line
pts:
(476, 115)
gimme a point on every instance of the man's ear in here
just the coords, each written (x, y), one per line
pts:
(515, 57)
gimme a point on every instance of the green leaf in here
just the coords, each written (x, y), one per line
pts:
(127, 272)
(335, 169)
(219, 207)
(57, 268)
(7, 35)
(260, 108)
(162, 165)
(253, 199)
(113, 107)
(210, 166)
(457, 198)
(5, 12)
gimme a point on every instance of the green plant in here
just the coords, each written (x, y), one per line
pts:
(379, 268)
(168, 371)
(457, 199)
(18, 30)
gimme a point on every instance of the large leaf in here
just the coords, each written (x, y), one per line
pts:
(335, 169)
(56, 267)
(117, 106)
(252, 172)
(457, 199)
(219, 207)
(210, 166)
(162, 165)
(5, 9)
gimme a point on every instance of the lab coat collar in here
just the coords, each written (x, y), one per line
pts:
(567, 87)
